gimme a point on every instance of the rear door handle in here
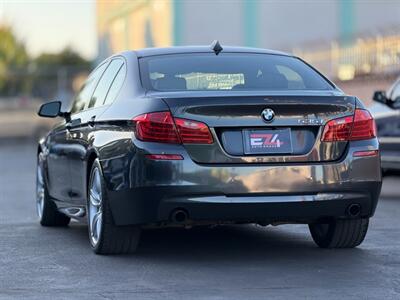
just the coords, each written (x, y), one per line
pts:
(70, 126)
(73, 123)
(91, 121)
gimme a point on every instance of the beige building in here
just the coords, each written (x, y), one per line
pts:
(343, 39)
(135, 24)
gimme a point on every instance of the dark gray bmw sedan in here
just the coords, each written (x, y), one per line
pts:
(188, 136)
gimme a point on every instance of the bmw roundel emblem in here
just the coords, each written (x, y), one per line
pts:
(268, 115)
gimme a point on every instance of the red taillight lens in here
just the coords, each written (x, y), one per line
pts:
(338, 129)
(162, 127)
(361, 126)
(364, 126)
(193, 132)
(156, 127)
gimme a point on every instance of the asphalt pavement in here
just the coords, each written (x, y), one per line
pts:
(224, 262)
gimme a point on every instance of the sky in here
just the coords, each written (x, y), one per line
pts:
(51, 25)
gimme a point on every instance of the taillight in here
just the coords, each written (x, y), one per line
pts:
(193, 132)
(361, 126)
(364, 126)
(162, 127)
(156, 127)
(338, 129)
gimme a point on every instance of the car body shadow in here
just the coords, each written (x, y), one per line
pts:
(229, 243)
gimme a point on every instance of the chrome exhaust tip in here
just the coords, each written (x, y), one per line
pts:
(354, 210)
(179, 216)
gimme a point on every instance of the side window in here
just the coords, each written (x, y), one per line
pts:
(116, 85)
(102, 88)
(83, 97)
(396, 91)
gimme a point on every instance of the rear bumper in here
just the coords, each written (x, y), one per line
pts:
(147, 192)
(157, 206)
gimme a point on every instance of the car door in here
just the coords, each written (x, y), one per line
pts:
(79, 105)
(81, 135)
(58, 177)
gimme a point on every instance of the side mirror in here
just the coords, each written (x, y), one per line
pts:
(53, 110)
(50, 109)
(395, 104)
(380, 96)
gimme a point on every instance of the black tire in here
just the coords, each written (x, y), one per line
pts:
(340, 233)
(47, 212)
(112, 239)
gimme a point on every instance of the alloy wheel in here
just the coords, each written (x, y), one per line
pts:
(95, 211)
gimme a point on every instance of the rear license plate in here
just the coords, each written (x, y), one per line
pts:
(274, 141)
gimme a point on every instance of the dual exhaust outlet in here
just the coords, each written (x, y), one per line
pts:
(179, 216)
(354, 210)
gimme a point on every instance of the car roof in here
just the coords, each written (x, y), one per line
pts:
(202, 49)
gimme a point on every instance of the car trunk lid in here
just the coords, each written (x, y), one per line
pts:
(233, 120)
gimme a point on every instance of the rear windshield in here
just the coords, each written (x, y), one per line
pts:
(229, 71)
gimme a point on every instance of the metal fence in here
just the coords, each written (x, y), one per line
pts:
(366, 56)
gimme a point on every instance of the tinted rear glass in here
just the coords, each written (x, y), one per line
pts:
(228, 71)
